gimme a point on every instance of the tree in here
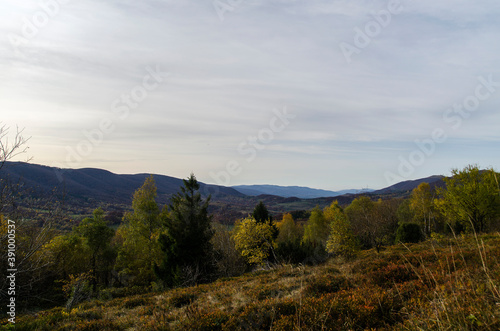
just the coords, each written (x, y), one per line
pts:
(471, 198)
(316, 230)
(289, 231)
(97, 237)
(409, 233)
(260, 213)
(422, 205)
(228, 260)
(186, 247)
(12, 148)
(374, 223)
(386, 222)
(341, 241)
(361, 216)
(289, 248)
(254, 240)
(140, 249)
(404, 213)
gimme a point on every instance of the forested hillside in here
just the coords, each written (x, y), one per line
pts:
(161, 249)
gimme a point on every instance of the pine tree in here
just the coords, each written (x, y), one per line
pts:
(97, 236)
(186, 247)
(260, 213)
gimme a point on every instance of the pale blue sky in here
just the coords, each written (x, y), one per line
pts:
(207, 76)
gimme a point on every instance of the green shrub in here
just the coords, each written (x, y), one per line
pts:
(409, 233)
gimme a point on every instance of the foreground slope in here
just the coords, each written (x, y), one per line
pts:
(443, 284)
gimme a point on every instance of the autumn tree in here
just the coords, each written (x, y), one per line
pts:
(386, 221)
(361, 216)
(139, 235)
(289, 231)
(261, 215)
(374, 223)
(341, 241)
(290, 248)
(422, 206)
(187, 252)
(254, 240)
(470, 198)
(228, 260)
(317, 229)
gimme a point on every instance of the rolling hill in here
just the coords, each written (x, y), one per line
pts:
(83, 190)
(97, 183)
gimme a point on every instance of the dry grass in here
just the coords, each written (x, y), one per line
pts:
(443, 284)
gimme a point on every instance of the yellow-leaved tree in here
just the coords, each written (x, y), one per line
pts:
(253, 239)
(139, 235)
(342, 241)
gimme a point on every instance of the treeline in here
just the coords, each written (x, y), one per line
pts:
(159, 247)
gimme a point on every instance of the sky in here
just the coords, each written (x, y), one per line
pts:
(334, 95)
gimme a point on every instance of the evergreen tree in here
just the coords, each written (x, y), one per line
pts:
(97, 237)
(186, 247)
(260, 213)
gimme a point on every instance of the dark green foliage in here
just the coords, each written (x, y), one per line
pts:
(409, 233)
(186, 247)
(260, 213)
(97, 237)
(293, 252)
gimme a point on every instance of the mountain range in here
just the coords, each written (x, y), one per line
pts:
(293, 191)
(86, 189)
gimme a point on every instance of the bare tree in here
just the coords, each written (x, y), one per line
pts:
(10, 148)
(32, 229)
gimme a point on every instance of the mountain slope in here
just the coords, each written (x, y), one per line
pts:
(97, 183)
(409, 185)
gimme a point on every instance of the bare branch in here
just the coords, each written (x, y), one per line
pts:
(11, 148)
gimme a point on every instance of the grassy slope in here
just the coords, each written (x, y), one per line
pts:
(440, 284)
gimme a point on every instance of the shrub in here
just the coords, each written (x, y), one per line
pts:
(182, 299)
(409, 233)
(325, 284)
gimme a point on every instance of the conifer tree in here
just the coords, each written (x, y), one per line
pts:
(186, 247)
(97, 236)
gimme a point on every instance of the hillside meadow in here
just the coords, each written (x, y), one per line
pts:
(443, 283)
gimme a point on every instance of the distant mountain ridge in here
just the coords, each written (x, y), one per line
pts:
(409, 185)
(97, 183)
(293, 191)
(83, 190)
